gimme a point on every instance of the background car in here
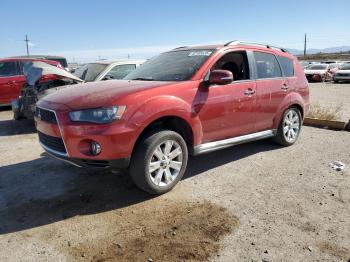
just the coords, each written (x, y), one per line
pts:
(107, 70)
(343, 73)
(305, 64)
(12, 78)
(318, 73)
(41, 80)
(60, 59)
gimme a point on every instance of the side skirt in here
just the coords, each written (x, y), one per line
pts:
(220, 144)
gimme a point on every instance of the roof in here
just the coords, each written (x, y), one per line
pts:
(39, 56)
(27, 59)
(236, 44)
(197, 47)
(118, 61)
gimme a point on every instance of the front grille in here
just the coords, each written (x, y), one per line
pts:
(45, 115)
(55, 143)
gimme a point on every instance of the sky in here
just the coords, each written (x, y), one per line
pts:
(90, 30)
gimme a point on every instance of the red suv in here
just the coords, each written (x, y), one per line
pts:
(190, 100)
(12, 78)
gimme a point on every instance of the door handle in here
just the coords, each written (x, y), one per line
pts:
(11, 82)
(249, 92)
(284, 87)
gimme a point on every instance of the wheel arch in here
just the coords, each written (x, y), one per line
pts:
(170, 122)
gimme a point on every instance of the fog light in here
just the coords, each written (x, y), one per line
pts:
(95, 148)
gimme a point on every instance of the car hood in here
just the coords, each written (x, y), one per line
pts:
(98, 94)
(315, 71)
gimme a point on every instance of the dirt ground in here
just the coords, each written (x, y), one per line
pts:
(253, 202)
(332, 95)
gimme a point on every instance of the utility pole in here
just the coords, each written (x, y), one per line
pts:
(27, 44)
(305, 45)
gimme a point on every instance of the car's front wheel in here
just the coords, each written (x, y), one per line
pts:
(159, 161)
(289, 127)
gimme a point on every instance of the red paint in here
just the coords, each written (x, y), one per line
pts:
(10, 86)
(213, 113)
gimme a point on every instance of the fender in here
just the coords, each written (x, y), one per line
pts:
(163, 106)
(293, 98)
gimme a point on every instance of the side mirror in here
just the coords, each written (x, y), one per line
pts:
(220, 77)
(107, 77)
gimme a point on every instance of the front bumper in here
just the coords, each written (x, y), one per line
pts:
(314, 77)
(120, 163)
(70, 141)
(341, 78)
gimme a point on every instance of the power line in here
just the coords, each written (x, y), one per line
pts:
(27, 44)
(305, 45)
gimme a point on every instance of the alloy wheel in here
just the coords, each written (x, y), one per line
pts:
(165, 163)
(291, 126)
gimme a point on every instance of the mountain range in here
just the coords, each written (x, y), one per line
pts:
(335, 49)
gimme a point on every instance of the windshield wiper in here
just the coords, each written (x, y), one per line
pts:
(143, 78)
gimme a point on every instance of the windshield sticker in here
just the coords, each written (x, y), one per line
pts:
(200, 53)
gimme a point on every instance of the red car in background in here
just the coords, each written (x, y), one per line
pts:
(12, 78)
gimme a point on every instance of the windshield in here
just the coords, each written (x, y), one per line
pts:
(171, 66)
(318, 67)
(89, 72)
(345, 66)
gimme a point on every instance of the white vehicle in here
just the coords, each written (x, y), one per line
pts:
(318, 73)
(107, 70)
(343, 73)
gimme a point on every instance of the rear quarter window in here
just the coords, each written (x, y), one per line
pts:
(287, 66)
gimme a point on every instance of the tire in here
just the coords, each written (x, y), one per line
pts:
(284, 136)
(151, 153)
(17, 114)
(336, 81)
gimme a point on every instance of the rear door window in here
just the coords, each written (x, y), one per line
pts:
(267, 65)
(9, 69)
(287, 66)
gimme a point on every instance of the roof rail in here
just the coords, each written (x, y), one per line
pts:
(237, 42)
(179, 47)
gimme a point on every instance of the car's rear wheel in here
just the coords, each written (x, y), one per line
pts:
(159, 161)
(17, 113)
(289, 128)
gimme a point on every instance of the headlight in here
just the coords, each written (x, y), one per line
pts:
(98, 115)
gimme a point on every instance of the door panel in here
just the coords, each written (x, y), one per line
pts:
(270, 94)
(243, 115)
(272, 88)
(213, 106)
(10, 88)
(11, 81)
(226, 111)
